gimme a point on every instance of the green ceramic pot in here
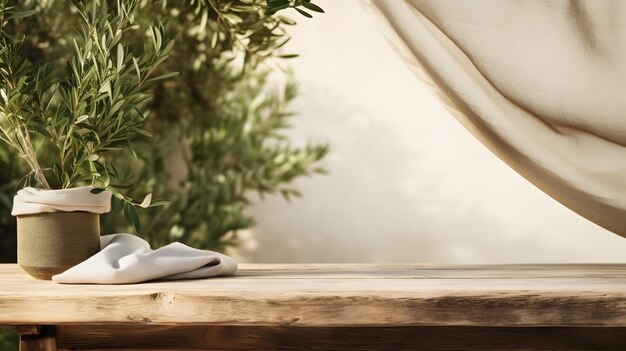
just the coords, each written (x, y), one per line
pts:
(50, 243)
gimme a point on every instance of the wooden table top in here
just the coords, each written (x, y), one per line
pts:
(335, 295)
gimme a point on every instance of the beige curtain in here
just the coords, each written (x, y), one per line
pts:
(541, 83)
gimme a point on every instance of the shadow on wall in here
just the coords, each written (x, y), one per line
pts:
(378, 204)
(373, 206)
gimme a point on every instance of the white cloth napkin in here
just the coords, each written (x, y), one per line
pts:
(32, 200)
(126, 258)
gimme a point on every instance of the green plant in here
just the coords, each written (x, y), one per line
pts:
(217, 128)
(8, 340)
(94, 109)
(299, 5)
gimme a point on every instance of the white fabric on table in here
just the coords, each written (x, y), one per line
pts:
(32, 201)
(541, 83)
(126, 258)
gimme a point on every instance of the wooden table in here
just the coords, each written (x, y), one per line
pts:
(349, 307)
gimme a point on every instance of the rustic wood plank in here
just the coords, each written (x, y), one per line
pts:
(115, 337)
(407, 271)
(44, 341)
(336, 295)
(272, 271)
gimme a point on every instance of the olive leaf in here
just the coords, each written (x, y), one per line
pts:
(103, 102)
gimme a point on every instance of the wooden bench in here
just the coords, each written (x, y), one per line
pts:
(329, 307)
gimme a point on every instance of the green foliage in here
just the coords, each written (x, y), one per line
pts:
(299, 5)
(248, 25)
(8, 340)
(223, 120)
(95, 108)
(217, 127)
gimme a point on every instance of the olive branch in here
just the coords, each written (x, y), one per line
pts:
(95, 107)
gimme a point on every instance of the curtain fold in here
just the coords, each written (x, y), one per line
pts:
(541, 83)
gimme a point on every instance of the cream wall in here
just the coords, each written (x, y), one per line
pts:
(407, 183)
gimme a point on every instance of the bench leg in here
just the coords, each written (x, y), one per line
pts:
(45, 340)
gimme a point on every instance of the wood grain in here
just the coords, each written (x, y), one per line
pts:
(336, 295)
(115, 337)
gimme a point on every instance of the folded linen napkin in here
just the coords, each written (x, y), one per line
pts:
(126, 259)
(32, 200)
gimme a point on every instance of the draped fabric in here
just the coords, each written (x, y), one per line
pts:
(541, 83)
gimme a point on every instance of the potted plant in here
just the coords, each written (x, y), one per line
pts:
(77, 119)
